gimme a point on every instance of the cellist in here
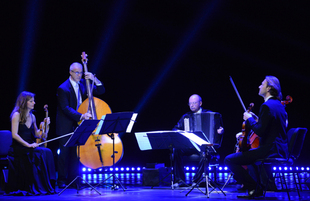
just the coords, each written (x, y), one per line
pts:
(70, 95)
(270, 127)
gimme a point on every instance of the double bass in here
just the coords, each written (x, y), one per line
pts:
(98, 149)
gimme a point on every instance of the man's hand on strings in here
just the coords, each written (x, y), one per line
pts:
(86, 116)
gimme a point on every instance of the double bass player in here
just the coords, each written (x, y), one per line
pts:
(70, 94)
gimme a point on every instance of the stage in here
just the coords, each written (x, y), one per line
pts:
(139, 187)
(133, 193)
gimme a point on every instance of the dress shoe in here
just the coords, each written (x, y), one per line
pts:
(176, 185)
(243, 188)
(179, 185)
(252, 194)
(61, 185)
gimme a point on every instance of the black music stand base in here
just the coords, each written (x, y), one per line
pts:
(205, 178)
(78, 177)
(171, 173)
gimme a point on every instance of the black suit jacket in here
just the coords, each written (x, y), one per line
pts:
(271, 128)
(67, 116)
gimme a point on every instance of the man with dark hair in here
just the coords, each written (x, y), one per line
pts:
(270, 127)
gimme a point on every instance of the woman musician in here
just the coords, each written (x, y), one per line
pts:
(32, 168)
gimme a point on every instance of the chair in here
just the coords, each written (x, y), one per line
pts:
(5, 143)
(296, 138)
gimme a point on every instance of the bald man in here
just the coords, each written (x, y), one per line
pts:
(195, 105)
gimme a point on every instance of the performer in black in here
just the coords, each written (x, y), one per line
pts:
(70, 95)
(270, 127)
(31, 168)
(195, 103)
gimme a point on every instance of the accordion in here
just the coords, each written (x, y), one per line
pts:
(207, 124)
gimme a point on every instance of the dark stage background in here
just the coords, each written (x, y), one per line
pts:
(152, 55)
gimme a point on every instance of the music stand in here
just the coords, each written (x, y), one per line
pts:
(168, 140)
(205, 165)
(116, 123)
(79, 137)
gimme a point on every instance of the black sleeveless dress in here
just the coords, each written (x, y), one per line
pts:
(31, 171)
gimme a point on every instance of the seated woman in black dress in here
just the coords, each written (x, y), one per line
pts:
(31, 169)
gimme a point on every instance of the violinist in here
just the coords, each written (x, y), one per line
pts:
(31, 168)
(70, 95)
(271, 128)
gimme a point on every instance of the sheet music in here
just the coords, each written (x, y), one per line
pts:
(195, 138)
(143, 141)
(132, 121)
(100, 124)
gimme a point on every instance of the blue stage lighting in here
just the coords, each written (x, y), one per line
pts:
(58, 151)
(83, 169)
(202, 17)
(108, 33)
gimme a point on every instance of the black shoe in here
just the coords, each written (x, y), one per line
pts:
(252, 194)
(242, 188)
(61, 185)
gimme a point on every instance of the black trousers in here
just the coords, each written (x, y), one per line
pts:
(178, 164)
(236, 161)
(68, 163)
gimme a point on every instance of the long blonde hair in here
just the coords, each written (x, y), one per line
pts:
(21, 105)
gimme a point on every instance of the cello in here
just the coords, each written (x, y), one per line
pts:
(98, 149)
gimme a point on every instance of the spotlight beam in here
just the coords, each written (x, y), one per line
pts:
(107, 35)
(208, 11)
(28, 42)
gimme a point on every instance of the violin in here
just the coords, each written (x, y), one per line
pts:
(244, 145)
(254, 138)
(288, 99)
(43, 129)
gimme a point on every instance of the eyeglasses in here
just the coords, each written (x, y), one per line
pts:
(77, 73)
(193, 103)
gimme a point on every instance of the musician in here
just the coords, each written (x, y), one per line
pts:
(270, 127)
(70, 95)
(31, 168)
(195, 105)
